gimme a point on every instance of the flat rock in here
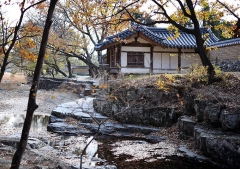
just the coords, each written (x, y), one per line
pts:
(85, 115)
(67, 129)
(81, 109)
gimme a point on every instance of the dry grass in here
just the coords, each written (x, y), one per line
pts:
(11, 82)
(17, 78)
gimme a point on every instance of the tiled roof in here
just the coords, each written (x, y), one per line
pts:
(160, 35)
(129, 32)
(224, 43)
(185, 40)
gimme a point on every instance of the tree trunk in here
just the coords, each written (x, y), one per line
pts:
(59, 71)
(93, 70)
(203, 56)
(32, 106)
(200, 43)
(69, 66)
(55, 68)
(99, 57)
(3, 66)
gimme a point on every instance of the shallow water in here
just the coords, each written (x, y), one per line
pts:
(123, 161)
(107, 147)
(11, 124)
(17, 120)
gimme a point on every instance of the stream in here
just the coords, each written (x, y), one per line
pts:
(122, 152)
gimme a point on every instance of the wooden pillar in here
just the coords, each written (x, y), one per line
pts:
(151, 59)
(119, 53)
(179, 60)
(108, 56)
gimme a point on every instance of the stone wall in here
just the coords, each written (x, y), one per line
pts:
(215, 131)
(225, 53)
(229, 65)
(79, 87)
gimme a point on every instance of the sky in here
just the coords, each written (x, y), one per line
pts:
(12, 12)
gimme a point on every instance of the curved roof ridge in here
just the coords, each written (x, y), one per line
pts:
(147, 30)
(214, 37)
(227, 42)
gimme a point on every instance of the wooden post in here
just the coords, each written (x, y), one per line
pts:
(151, 60)
(179, 60)
(120, 53)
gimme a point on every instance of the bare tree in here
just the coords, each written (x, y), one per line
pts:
(6, 51)
(32, 106)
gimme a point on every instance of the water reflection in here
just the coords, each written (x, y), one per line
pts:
(17, 120)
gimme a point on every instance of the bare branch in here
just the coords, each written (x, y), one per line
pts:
(33, 5)
(225, 6)
(171, 21)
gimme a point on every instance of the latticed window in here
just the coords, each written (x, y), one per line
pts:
(135, 59)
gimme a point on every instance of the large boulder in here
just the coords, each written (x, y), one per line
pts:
(212, 114)
(230, 119)
(218, 114)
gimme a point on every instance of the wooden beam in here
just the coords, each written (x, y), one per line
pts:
(141, 35)
(109, 45)
(137, 44)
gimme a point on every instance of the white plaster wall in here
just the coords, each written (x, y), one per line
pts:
(173, 61)
(164, 71)
(161, 61)
(157, 61)
(135, 49)
(123, 59)
(165, 61)
(147, 60)
(135, 70)
(185, 62)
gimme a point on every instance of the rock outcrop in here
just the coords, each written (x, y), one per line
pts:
(217, 135)
(144, 107)
(211, 121)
